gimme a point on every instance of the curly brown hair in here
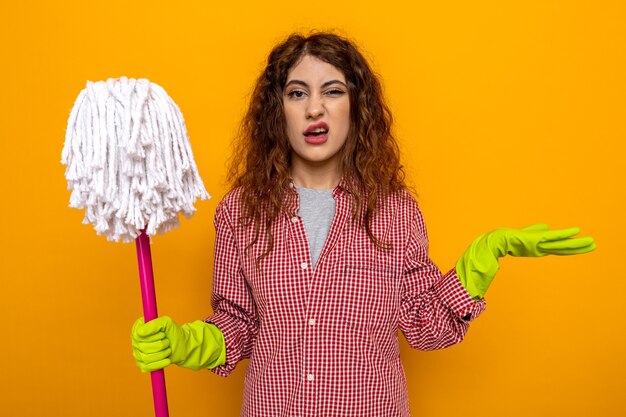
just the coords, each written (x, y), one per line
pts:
(261, 158)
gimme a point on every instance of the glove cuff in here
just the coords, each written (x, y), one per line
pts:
(478, 265)
(203, 346)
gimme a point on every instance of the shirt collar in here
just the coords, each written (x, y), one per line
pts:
(292, 199)
(342, 186)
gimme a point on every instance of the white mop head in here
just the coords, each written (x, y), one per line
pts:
(129, 160)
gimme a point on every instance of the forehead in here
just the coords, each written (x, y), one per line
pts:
(313, 70)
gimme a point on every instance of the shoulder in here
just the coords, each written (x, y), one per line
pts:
(401, 202)
(232, 198)
(229, 208)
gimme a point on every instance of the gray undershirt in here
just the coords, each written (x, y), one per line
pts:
(317, 210)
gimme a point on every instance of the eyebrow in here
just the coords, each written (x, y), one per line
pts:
(326, 84)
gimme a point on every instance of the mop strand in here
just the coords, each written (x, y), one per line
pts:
(128, 159)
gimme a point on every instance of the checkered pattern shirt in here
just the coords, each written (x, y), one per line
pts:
(324, 342)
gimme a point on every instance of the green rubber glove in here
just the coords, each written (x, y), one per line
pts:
(478, 265)
(161, 342)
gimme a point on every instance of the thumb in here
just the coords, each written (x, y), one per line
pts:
(153, 327)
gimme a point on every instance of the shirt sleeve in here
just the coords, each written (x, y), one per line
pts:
(436, 310)
(233, 306)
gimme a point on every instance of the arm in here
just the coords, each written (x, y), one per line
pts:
(217, 344)
(436, 310)
(162, 342)
(233, 306)
(477, 267)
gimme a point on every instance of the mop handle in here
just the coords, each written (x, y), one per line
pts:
(148, 298)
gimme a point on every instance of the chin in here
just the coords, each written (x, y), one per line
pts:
(316, 156)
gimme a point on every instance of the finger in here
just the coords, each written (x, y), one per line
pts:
(143, 359)
(559, 234)
(570, 243)
(138, 323)
(535, 228)
(140, 357)
(152, 347)
(155, 357)
(576, 251)
(137, 355)
(149, 367)
(151, 327)
(145, 339)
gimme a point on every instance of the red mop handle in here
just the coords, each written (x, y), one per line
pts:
(148, 297)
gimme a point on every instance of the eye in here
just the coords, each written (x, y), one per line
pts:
(296, 94)
(335, 92)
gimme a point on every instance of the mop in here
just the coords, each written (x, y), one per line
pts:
(129, 165)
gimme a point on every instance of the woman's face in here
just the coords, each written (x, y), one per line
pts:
(317, 109)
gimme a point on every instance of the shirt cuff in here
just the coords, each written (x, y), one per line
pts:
(454, 295)
(231, 336)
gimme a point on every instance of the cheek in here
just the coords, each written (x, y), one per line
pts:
(292, 128)
(344, 117)
(290, 119)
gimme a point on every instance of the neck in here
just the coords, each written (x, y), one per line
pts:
(324, 177)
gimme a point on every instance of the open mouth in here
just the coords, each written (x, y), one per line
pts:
(317, 132)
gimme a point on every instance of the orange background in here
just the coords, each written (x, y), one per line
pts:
(508, 113)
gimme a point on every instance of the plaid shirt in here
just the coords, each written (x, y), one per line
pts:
(324, 342)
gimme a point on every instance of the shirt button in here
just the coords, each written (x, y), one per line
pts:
(311, 322)
(310, 377)
(294, 219)
(304, 265)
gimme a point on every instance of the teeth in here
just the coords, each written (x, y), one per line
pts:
(318, 130)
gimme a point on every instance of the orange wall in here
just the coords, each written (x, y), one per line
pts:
(509, 113)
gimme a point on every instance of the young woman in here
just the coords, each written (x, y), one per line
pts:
(321, 252)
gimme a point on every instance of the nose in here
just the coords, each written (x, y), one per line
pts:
(315, 107)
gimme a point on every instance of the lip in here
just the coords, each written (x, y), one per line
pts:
(318, 125)
(316, 140)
